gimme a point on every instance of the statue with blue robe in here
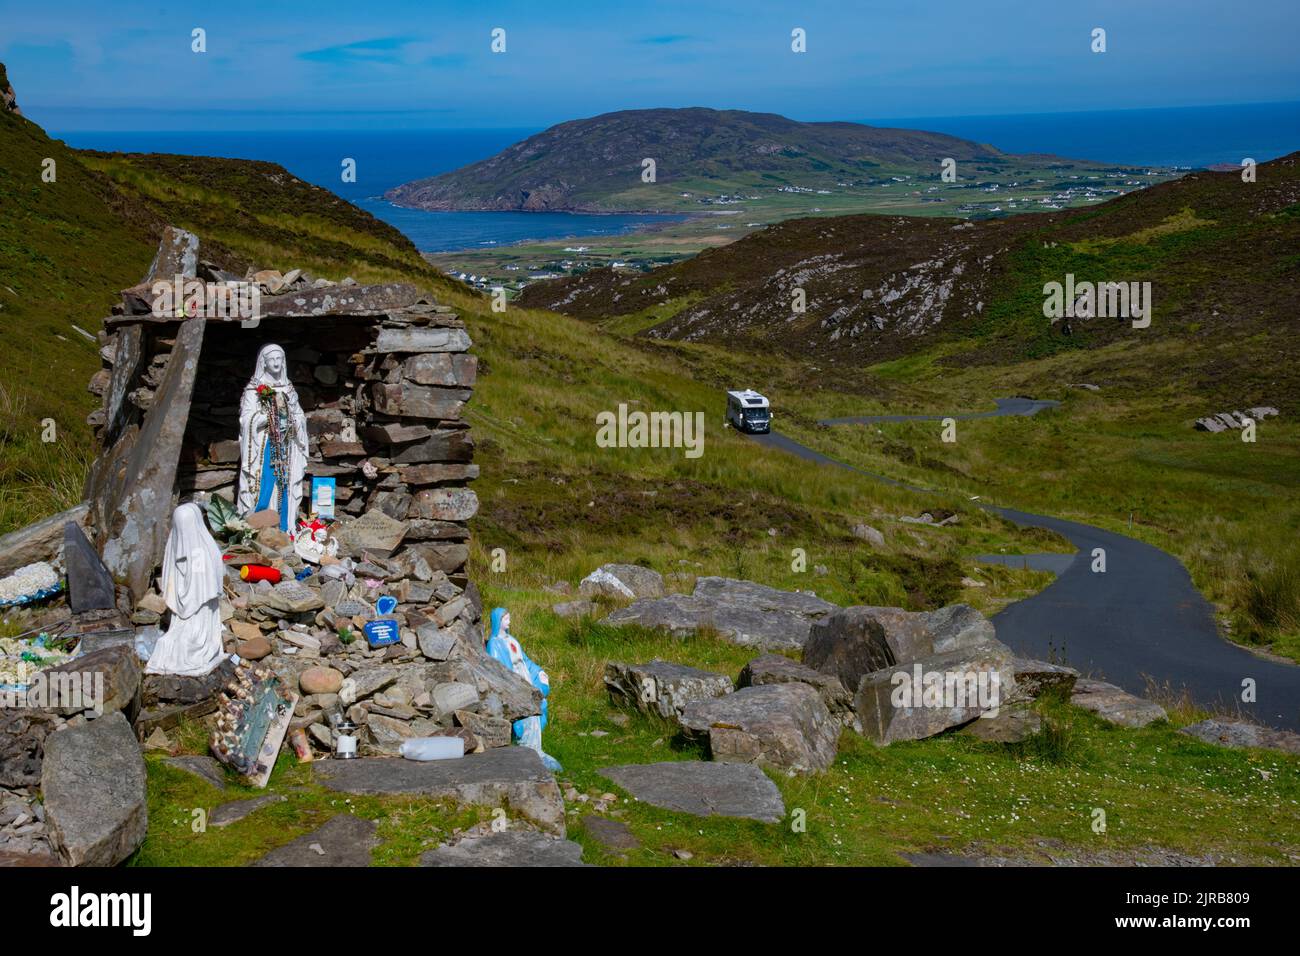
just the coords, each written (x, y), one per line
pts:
(503, 647)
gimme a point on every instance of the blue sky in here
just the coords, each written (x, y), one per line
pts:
(410, 65)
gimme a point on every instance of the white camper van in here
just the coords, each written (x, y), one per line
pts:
(749, 411)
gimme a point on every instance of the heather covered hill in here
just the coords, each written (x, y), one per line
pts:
(1219, 252)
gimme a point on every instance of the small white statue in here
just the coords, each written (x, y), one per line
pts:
(191, 586)
(272, 441)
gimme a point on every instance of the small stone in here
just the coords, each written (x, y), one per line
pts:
(320, 680)
(255, 649)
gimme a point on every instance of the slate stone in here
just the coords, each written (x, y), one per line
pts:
(419, 401)
(444, 504)
(1114, 704)
(344, 841)
(236, 810)
(128, 361)
(507, 848)
(742, 612)
(848, 645)
(783, 726)
(373, 532)
(661, 687)
(93, 786)
(37, 542)
(423, 340)
(136, 508)
(202, 766)
(513, 777)
(340, 300)
(703, 789)
(611, 834)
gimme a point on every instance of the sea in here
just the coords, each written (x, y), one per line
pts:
(1189, 138)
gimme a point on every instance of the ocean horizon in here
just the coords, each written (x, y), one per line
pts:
(1183, 137)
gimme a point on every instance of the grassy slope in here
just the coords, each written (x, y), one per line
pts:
(559, 506)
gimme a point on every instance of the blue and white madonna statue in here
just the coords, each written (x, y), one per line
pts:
(503, 646)
(272, 441)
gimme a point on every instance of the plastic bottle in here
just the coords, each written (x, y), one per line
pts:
(433, 748)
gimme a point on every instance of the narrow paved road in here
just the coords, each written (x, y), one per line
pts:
(1141, 618)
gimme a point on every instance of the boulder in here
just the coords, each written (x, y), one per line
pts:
(912, 701)
(1240, 733)
(848, 645)
(784, 726)
(661, 687)
(777, 669)
(702, 789)
(622, 581)
(1114, 704)
(106, 680)
(869, 534)
(507, 848)
(93, 786)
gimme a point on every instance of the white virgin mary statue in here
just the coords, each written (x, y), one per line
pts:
(191, 586)
(272, 441)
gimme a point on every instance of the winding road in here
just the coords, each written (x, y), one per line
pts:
(1142, 618)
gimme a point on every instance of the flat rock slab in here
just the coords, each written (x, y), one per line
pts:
(784, 726)
(1114, 704)
(742, 612)
(509, 848)
(662, 687)
(93, 785)
(344, 840)
(703, 789)
(505, 776)
(236, 810)
(1240, 733)
(611, 834)
(204, 767)
(37, 542)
